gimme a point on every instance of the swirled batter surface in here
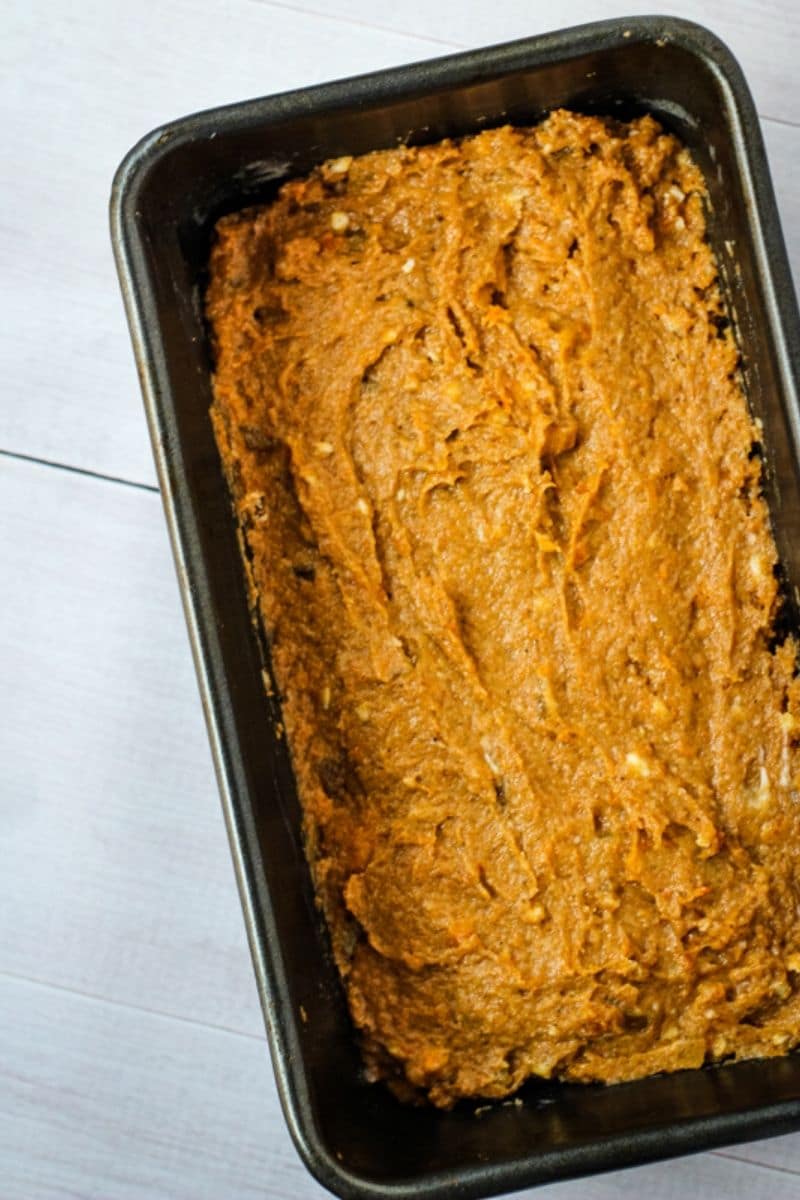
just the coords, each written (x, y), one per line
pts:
(481, 414)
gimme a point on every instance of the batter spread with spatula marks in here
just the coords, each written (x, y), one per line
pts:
(481, 414)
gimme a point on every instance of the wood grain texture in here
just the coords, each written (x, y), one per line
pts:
(763, 34)
(104, 1102)
(783, 151)
(124, 1104)
(115, 876)
(132, 1059)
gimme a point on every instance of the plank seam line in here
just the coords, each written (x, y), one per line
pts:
(752, 1162)
(340, 19)
(151, 1012)
(429, 39)
(780, 121)
(85, 471)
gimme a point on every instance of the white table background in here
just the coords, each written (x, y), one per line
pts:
(132, 1056)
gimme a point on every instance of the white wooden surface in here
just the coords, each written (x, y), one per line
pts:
(132, 1059)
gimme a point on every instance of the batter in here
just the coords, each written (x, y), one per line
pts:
(480, 410)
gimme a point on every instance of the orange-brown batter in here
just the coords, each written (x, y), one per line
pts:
(481, 415)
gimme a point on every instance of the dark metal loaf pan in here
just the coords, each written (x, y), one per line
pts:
(168, 193)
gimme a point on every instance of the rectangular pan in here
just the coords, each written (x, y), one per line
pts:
(167, 196)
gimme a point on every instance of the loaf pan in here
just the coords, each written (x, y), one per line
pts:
(167, 195)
